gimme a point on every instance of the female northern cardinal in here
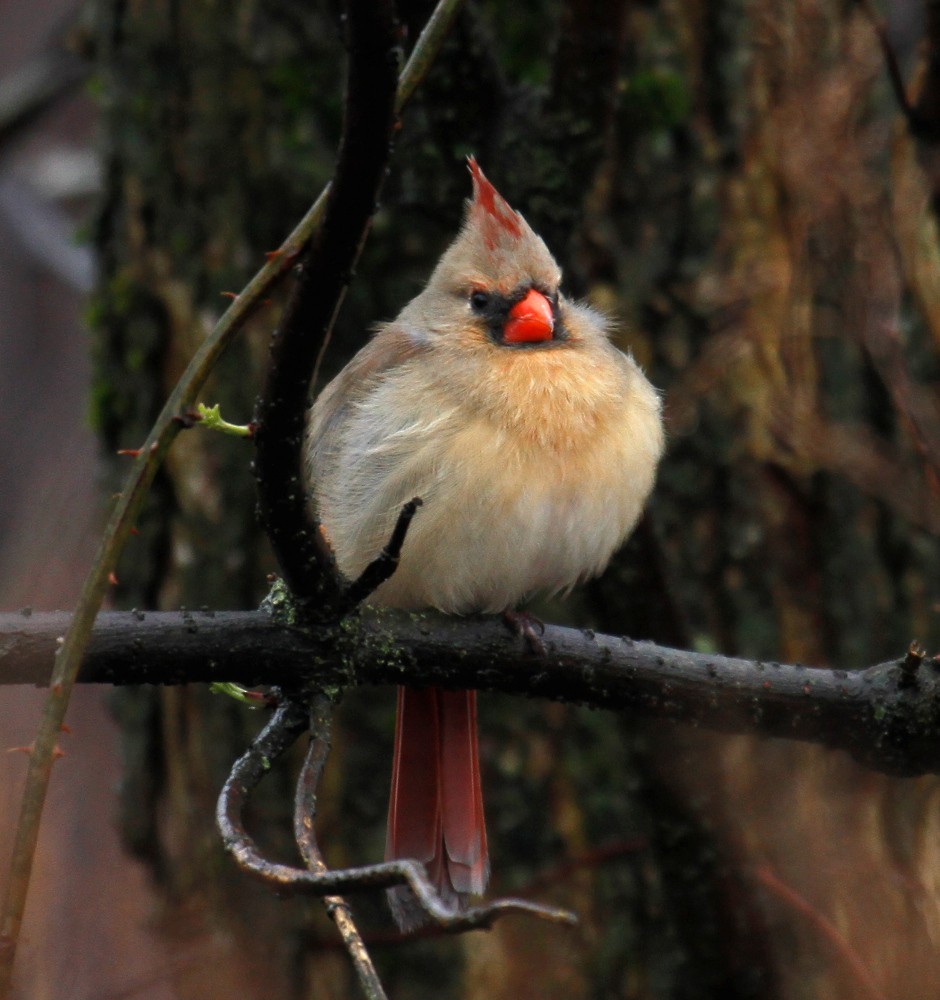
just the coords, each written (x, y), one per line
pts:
(533, 443)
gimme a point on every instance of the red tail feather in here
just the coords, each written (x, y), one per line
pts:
(435, 814)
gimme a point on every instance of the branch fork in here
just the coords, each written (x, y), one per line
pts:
(291, 717)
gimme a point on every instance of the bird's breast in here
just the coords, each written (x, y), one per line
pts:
(530, 480)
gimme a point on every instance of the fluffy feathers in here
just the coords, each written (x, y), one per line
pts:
(533, 460)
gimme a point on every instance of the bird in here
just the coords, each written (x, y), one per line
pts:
(532, 442)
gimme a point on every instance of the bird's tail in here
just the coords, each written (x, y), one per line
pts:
(435, 812)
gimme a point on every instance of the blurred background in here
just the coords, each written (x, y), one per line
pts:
(742, 188)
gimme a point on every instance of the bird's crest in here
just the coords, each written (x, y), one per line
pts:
(496, 220)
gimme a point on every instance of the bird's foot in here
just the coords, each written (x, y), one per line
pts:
(531, 629)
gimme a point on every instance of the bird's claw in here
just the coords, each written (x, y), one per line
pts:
(530, 628)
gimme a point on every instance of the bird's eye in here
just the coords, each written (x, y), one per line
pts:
(479, 300)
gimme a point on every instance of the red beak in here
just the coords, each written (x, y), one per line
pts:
(529, 320)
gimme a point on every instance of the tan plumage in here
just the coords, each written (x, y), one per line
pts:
(533, 463)
(533, 459)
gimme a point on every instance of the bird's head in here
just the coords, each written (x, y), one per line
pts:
(497, 280)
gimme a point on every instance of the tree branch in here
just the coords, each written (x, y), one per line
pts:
(324, 273)
(305, 814)
(887, 717)
(289, 719)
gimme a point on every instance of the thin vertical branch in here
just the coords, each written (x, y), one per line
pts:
(305, 810)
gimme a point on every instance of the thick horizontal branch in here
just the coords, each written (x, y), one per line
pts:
(887, 716)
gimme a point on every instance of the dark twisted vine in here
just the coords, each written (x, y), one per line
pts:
(323, 274)
(290, 718)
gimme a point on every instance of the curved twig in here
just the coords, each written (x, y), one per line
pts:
(385, 564)
(285, 726)
(824, 927)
